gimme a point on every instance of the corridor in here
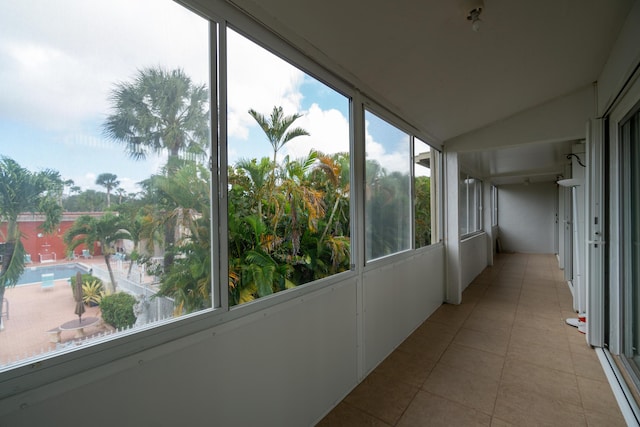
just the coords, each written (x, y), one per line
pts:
(503, 357)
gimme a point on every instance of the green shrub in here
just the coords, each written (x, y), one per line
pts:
(117, 310)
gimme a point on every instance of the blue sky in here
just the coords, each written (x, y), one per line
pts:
(59, 61)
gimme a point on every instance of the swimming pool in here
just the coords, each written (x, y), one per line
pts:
(60, 271)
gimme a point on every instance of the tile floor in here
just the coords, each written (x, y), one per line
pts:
(503, 357)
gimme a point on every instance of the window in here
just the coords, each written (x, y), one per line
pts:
(424, 181)
(289, 182)
(110, 128)
(470, 204)
(388, 188)
(630, 238)
(105, 118)
(494, 205)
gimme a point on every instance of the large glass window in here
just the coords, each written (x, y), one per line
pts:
(104, 123)
(470, 204)
(424, 181)
(289, 185)
(494, 205)
(388, 188)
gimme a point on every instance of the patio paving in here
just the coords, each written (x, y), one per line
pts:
(33, 311)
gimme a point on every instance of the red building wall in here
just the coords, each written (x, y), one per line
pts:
(43, 246)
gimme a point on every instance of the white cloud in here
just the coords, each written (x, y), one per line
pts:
(394, 161)
(328, 129)
(60, 59)
(258, 80)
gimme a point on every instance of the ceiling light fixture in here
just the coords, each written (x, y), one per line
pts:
(472, 10)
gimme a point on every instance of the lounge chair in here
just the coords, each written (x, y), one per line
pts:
(27, 258)
(86, 254)
(47, 280)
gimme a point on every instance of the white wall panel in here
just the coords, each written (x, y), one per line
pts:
(284, 367)
(398, 298)
(473, 257)
(527, 217)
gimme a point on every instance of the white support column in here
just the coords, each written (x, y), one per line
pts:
(453, 294)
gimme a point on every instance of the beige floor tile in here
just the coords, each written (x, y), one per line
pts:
(382, 397)
(432, 326)
(588, 366)
(427, 409)
(595, 419)
(540, 305)
(474, 290)
(436, 331)
(345, 415)
(542, 294)
(582, 348)
(505, 357)
(452, 314)
(505, 316)
(531, 336)
(496, 305)
(533, 273)
(547, 357)
(525, 408)
(598, 397)
(506, 295)
(477, 322)
(496, 344)
(469, 389)
(529, 318)
(497, 422)
(507, 281)
(409, 368)
(423, 347)
(473, 360)
(547, 382)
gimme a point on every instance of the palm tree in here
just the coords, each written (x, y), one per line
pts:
(277, 130)
(108, 181)
(23, 191)
(185, 209)
(106, 230)
(160, 111)
(122, 193)
(258, 173)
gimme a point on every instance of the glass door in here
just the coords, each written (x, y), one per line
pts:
(630, 133)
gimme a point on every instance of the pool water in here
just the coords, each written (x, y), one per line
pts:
(60, 271)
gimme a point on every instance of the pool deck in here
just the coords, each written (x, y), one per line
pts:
(33, 311)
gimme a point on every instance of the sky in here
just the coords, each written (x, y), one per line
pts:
(60, 60)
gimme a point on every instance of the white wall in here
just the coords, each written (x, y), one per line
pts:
(473, 257)
(526, 217)
(283, 366)
(398, 298)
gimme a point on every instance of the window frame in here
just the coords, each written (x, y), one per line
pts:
(473, 205)
(133, 346)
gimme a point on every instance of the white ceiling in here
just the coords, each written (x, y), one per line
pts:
(421, 56)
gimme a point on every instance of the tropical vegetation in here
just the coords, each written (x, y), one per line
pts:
(288, 219)
(106, 230)
(24, 191)
(117, 310)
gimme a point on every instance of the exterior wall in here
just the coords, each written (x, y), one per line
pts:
(526, 217)
(37, 243)
(286, 365)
